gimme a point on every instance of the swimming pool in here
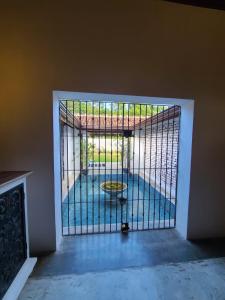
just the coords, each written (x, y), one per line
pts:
(88, 205)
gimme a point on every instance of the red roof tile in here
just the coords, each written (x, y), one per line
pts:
(114, 123)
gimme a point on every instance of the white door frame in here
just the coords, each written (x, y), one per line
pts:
(185, 150)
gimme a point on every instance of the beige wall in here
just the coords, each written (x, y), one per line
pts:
(161, 49)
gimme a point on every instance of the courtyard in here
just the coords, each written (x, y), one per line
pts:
(132, 145)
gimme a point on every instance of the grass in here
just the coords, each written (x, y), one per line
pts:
(106, 157)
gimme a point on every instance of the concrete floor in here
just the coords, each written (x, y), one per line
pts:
(142, 265)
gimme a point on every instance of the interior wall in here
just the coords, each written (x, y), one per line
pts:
(155, 49)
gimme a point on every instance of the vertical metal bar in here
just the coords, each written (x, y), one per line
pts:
(93, 169)
(171, 170)
(150, 165)
(144, 166)
(139, 158)
(105, 175)
(62, 142)
(122, 156)
(74, 172)
(81, 157)
(99, 154)
(61, 163)
(117, 158)
(132, 215)
(128, 161)
(67, 168)
(156, 153)
(86, 169)
(111, 173)
(177, 159)
(166, 167)
(161, 158)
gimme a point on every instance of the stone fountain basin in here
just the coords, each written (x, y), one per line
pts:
(113, 187)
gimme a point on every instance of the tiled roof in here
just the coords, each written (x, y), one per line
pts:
(91, 122)
(114, 123)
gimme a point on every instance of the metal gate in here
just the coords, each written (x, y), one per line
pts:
(118, 166)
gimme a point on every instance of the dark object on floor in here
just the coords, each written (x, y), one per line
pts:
(122, 200)
(125, 227)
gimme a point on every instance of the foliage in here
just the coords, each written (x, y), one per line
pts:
(112, 109)
(91, 149)
(98, 156)
(106, 157)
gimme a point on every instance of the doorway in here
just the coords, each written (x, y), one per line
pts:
(119, 165)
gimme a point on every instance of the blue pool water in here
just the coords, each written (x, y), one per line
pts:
(87, 204)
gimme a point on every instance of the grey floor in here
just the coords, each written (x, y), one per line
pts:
(140, 265)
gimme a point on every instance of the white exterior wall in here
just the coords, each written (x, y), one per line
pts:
(158, 151)
(103, 143)
(70, 164)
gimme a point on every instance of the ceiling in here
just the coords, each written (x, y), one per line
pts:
(213, 4)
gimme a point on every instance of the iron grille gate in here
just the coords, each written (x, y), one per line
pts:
(118, 166)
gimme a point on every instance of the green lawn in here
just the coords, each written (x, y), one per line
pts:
(106, 157)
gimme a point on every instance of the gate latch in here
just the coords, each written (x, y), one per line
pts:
(124, 227)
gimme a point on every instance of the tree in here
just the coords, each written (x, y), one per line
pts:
(91, 150)
(119, 109)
